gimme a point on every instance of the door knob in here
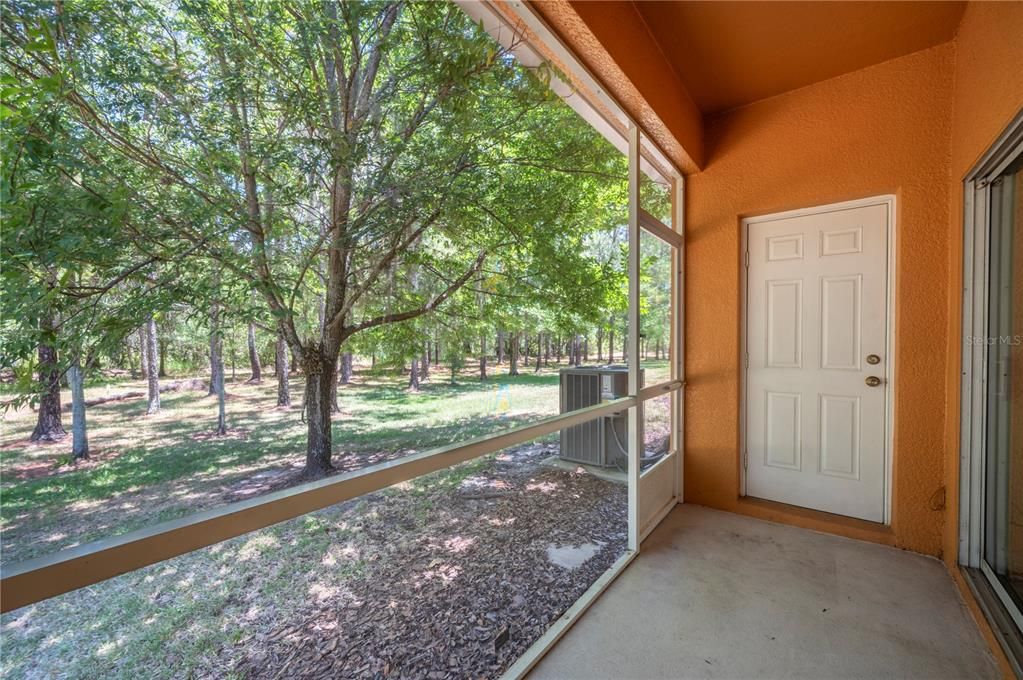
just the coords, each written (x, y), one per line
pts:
(873, 359)
(872, 381)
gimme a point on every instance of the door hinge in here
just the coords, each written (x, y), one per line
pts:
(747, 359)
(745, 459)
(747, 257)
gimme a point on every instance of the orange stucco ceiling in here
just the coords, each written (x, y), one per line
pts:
(728, 54)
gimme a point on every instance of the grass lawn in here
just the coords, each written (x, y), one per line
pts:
(176, 618)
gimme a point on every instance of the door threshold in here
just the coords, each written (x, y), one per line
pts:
(816, 520)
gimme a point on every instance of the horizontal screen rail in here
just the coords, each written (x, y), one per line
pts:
(659, 229)
(37, 579)
(660, 389)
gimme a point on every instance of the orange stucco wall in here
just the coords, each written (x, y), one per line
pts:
(880, 130)
(612, 40)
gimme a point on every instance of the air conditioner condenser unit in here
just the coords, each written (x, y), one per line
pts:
(602, 442)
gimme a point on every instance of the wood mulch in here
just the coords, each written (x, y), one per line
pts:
(461, 592)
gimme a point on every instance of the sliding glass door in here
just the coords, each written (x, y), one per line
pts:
(1003, 497)
(991, 472)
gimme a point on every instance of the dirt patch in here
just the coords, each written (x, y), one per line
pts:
(35, 469)
(234, 433)
(450, 575)
(22, 444)
(263, 482)
(176, 386)
(462, 594)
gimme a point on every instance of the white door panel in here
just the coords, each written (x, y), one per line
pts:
(816, 309)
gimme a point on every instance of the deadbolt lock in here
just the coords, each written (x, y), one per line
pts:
(873, 359)
(872, 381)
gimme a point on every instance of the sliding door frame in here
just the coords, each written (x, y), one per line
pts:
(1001, 609)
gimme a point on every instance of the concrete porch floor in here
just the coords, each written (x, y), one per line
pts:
(720, 595)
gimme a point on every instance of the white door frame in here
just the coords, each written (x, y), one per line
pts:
(887, 200)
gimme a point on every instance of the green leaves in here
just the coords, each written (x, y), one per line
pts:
(315, 155)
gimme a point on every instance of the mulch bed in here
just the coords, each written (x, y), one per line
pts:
(459, 593)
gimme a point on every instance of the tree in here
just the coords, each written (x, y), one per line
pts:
(48, 423)
(346, 368)
(143, 353)
(221, 429)
(256, 369)
(324, 152)
(216, 350)
(153, 371)
(79, 433)
(281, 370)
(513, 366)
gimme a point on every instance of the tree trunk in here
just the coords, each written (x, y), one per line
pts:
(334, 408)
(79, 436)
(129, 351)
(221, 390)
(319, 376)
(539, 353)
(413, 375)
(216, 351)
(48, 426)
(586, 348)
(500, 347)
(152, 353)
(257, 370)
(425, 363)
(346, 368)
(143, 353)
(483, 359)
(546, 349)
(600, 345)
(559, 348)
(610, 346)
(625, 346)
(281, 369)
(513, 369)
(163, 359)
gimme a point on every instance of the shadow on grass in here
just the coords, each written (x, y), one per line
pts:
(438, 389)
(167, 466)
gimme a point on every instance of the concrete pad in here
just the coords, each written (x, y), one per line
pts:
(719, 595)
(572, 557)
(607, 474)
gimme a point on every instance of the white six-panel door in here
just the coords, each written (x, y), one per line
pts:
(816, 317)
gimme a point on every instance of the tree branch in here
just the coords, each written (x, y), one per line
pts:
(419, 311)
